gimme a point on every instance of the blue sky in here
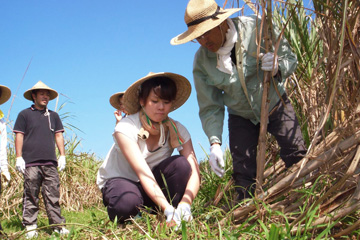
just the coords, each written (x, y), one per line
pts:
(88, 50)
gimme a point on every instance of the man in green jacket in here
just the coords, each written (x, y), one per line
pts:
(229, 72)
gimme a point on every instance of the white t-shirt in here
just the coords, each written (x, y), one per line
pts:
(115, 164)
(3, 143)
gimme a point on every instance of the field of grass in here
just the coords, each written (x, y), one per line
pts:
(86, 217)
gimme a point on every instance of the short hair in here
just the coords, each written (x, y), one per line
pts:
(163, 87)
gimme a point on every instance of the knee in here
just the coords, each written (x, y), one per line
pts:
(123, 207)
(183, 164)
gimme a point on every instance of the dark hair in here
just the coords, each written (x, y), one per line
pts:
(0, 92)
(163, 87)
(33, 92)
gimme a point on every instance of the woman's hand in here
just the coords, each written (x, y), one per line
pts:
(184, 210)
(118, 115)
(172, 217)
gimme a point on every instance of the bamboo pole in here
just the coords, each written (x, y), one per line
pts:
(260, 159)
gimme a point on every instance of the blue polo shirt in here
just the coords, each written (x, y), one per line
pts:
(39, 134)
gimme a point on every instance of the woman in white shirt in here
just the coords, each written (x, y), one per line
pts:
(5, 94)
(131, 177)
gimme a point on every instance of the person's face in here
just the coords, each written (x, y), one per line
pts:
(156, 108)
(41, 98)
(214, 38)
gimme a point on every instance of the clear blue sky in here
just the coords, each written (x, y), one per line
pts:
(87, 50)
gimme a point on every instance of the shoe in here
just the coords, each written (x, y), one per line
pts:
(32, 231)
(62, 231)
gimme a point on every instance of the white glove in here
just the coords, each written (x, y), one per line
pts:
(184, 210)
(61, 163)
(5, 172)
(20, 165)
(267, 62)
(216, 160)
(172, 217)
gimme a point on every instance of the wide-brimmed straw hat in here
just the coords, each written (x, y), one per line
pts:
(183, 90)
(5, 94)
(200, 17)
(114, 100)
(40, 85)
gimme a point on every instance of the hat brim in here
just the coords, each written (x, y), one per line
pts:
(5, 94)
(197, 30)
(183, 86)
(114, 100)
(27, 94)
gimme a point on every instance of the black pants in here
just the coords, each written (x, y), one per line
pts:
(244, 136)
(124, 198)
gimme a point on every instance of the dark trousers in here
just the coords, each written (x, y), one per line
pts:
(46, 178)
(244, 136)
(124, 198)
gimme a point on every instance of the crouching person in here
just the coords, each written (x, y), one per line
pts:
(37, 129)
(140, 171)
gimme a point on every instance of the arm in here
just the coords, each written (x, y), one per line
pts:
(59, 139)
(286, 58)
(193, 184)
(19, 141)
(132, 153)
(209, 97)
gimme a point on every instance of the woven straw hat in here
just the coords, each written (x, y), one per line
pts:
(200, 17)
(131, 97)
(40, 85)
(5, 94)
(114, 100)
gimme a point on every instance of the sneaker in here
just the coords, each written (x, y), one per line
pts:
(62, 231)
(32, 233)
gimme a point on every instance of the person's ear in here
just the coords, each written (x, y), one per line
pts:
(141, 101)
(33, 95)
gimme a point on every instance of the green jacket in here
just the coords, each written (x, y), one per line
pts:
(216, 89)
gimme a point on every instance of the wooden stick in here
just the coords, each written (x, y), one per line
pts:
(260, 159)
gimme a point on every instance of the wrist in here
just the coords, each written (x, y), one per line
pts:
(184, 203)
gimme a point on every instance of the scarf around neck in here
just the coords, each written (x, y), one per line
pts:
(224, 53)
(149, 127)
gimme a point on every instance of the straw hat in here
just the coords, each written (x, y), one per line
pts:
(114, 100)
(200, 17)
(5, 94)
(131, 97)
(40, 85)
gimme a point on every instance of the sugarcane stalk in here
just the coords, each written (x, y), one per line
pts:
(260, 159)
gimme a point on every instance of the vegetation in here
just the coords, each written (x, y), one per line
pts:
(315, 199)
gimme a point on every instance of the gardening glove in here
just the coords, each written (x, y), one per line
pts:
(172, 217)
(20, 165)
(267, 62)
(216, 160)
(61, 163)
(184, 210)
(5, 173)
